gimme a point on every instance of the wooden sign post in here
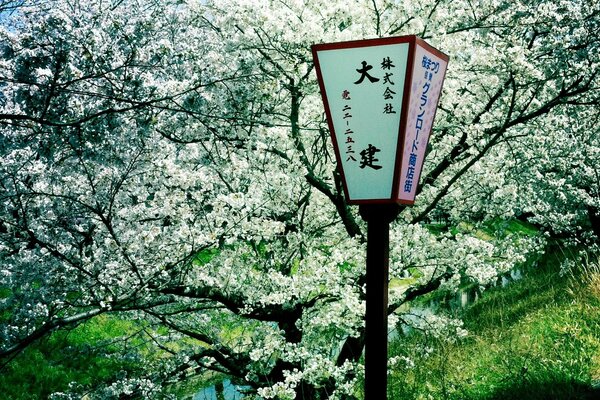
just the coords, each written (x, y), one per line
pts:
(380, 98)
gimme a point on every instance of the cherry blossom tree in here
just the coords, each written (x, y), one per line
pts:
(169, 162)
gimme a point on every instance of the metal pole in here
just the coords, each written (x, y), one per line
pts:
(378, 219)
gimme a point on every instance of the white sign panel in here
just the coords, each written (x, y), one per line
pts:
(364, 87)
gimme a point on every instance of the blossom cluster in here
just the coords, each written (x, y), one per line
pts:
(170, 162)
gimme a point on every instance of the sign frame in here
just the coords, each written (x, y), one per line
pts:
(413, 42)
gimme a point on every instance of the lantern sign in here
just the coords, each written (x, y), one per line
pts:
(380, 98)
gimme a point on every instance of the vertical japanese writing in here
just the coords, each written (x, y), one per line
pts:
(388, 94)
(347, 117)
(430, 67)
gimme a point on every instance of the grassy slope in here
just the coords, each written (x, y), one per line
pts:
(89, 354)
(537, 339)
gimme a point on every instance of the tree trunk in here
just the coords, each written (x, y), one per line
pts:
(220, 390)
(594, 216)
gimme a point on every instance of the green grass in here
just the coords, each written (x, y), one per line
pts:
(89, 354)
(496, 228)
(539, 338)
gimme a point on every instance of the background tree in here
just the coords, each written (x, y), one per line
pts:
(169, 162)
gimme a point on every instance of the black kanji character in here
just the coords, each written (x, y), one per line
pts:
(364, 71)
(389, 109)
(386, 78)
(368, 157)
(387, 63)
(388, 94)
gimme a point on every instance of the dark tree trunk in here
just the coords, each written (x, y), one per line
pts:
(594, 216)
(220, 390)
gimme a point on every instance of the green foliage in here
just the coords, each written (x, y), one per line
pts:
(538, 338)
(205, 256)
(496, 228)
(89, 354)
